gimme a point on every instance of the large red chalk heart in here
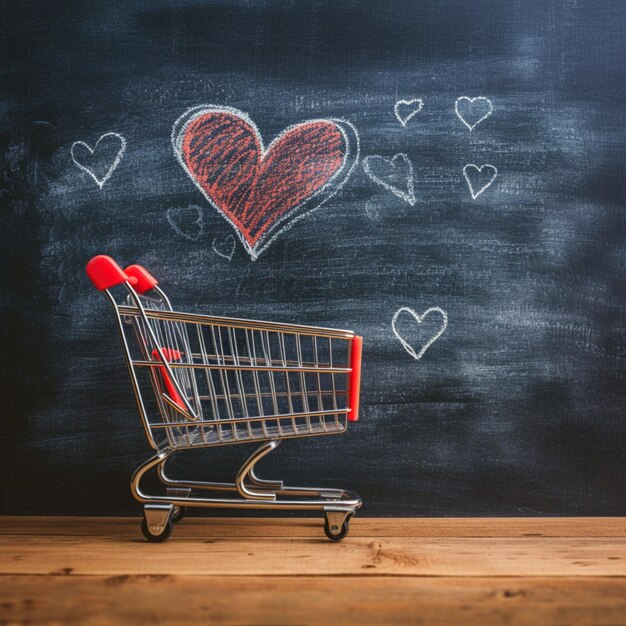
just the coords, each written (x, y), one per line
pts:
(261, 191)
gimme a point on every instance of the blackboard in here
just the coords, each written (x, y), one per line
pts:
(517, 405)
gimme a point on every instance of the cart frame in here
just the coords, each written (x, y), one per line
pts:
(179, 423)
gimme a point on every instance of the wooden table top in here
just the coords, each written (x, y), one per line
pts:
(284, 571)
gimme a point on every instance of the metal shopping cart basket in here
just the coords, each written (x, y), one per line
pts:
(203, 380)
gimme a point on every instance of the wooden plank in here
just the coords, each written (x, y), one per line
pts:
(216, 527)
(132, 600)
(283, 571)
(400, 556)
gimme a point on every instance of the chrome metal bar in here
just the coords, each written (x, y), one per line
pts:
(199, 442)
(248, 466)
(131, 369)
(348, 500)
(282, 352)
(224, 380)
(164, 298)
(255, 377)
(274, 485)
(159, 349)
(277, 486)
(239, 323)
(213, 396)
(244, 359)
(334, 395)
(279, 394)
(238, 376)
(180, 410)
(305, 399)
(265, 343)
(320, 400)
(258, 418)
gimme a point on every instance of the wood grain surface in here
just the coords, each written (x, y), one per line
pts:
(283, 571)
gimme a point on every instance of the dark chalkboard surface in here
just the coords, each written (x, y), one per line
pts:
(478, 244)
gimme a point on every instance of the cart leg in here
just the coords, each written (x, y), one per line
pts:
(190, 484)
(277, 486)
(337, 522)
(157, 522)
(246, 470)
(274, 485)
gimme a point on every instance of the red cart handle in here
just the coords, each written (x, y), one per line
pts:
(145, 280)
(355, 377)
(105, 273)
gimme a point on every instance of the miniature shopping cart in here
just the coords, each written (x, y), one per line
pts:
(203, 380)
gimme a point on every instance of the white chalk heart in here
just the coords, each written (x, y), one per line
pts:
(479, 178)
(395, 175)
(372, 211)
(472, 111)
(224, 247)
(418, 354)
(186, 221)
(407, 109)
(101, 160)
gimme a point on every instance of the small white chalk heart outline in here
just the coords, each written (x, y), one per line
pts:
(199, 221)
(479, 169)
(372, 211)
(407, 196)
(419, 319)
(405, 120)
(100, 181)
(471, 101)
(232, 250)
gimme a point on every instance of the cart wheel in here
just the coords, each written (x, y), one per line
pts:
(164, 535)
(179, 513)
(336, 533)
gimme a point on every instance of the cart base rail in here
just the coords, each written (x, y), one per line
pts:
(161, 511)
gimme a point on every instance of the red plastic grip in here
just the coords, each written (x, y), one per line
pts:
(145, 281)
(105, 273)
(355, 377)
(170, 355)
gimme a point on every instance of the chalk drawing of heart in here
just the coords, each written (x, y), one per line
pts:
(101, 160)
(224, 247)
(418, 354)
(405, 110)
(263, 191)
(472, 111)
(371, 210)
(479, 178)
(395, 175)
(186, 221)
